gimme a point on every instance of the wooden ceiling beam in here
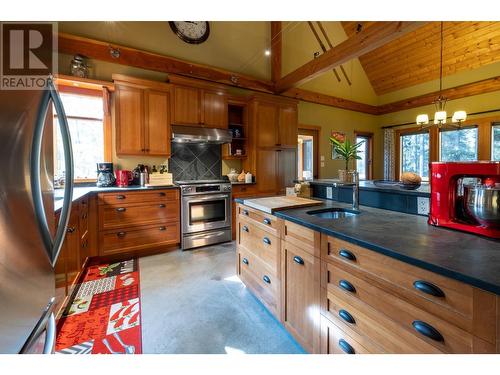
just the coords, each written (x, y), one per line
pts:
(469, 89)
(100, 50)
(332, 101)
(276, 45)
(363, 42)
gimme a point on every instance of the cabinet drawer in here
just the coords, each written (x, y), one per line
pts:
(265, 291)
(260, 242)
(335, 341)
(126, 197)
(452, 300)
(358, 291)
(257, 268)
(138, 238)
(305, 238)
(267, 222)
(137, 214)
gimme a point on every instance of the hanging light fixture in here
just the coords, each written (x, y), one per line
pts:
(440, 116)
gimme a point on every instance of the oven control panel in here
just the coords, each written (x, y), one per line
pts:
(206, 189)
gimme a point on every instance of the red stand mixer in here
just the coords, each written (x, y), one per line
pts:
(466, 196)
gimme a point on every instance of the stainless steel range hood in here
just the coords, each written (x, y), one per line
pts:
(193, 134)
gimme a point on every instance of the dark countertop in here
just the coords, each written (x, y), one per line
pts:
(243, 183)
(461, 256)
(423, 190)
(81, 191)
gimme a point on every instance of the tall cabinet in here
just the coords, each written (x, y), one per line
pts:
(273, 122)
(142, 115)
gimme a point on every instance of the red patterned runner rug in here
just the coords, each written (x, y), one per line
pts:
(103, 315)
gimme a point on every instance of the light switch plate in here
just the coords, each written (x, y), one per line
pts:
(329, 192)
(322, 158)
(423, 206)
(322, 164)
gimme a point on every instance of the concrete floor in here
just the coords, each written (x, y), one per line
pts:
(192, 302)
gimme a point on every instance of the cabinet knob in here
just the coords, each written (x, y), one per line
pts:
(267, 221)
(344, 253)
(162, 205)
(120, 197)
(266, 240)
(347, 286)
(121, 209)
(298, 260)
(346, 347)
(346, 316)
(245, 212)
(121, 234)
(266, 279)
(245, 261)
(427, 330)
(428, 288)
(244, 228)
(163, 228)
(161, 194)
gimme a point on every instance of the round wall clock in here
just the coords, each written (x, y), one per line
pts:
(194, 32)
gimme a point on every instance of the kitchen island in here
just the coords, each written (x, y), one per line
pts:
(374, 282)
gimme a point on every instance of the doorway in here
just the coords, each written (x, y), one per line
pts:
(364, 166)
(308, 152)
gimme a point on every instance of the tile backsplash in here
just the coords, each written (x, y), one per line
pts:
(201, 161)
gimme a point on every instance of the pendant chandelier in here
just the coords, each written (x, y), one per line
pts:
(440, 115)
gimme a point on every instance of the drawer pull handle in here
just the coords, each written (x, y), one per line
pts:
(70, 229)
(346, 316)
(266, 241)
(347, 254)
(427, 330)
(244, 228)
(266, 279)
(267, 221)
(162, 194)
(245, 261)
(163, 228)
(346, 285)
(121, 234)
(346, 348)
(120, 197)
(245, 212)
(426, 287)
(162, 205)
(84, 216)
(121, 209)
(298, 260)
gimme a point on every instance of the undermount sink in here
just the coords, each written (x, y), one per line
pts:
(333, 213)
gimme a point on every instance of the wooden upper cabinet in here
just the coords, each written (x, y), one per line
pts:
(267, 160)
(142, 110)
(129, 120)
(158, 123)
(287, 126)
(186, 106)
(266, 122)
(214, 113)
(199, 107)
(286, 169)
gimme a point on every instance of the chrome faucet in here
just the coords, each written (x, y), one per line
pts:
(355, 190)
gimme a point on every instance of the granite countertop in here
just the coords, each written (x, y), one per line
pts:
(81, 191)
(461, 256)
(423, 190)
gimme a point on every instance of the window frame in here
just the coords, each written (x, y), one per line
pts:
(471, 126)
(78, 86)
(494, 124)
(411, 131)
(369, 166)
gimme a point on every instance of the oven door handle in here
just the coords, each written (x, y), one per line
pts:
(204, 199)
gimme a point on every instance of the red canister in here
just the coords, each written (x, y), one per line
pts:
(123, 178)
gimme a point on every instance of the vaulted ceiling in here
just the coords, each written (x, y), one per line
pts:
(414, 58)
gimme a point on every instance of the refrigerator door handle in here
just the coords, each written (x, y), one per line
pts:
(53, 247)
(50, 336)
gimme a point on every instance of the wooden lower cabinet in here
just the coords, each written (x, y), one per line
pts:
(138, 221)
(301, 295)
(336, 297)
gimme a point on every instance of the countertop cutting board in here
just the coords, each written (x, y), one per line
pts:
(272, 204)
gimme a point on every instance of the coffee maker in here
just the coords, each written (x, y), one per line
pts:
(466, 196)
(105, 176)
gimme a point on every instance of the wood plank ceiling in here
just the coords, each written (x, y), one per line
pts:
(414, 58)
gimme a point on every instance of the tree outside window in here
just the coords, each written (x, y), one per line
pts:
(458, 145)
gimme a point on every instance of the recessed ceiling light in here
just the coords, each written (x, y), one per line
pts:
(267, 52)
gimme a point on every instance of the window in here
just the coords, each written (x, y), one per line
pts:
(85, 120)
(414, 154)
(458, 145)
(495, 142)
(363, 165)
(305, 157)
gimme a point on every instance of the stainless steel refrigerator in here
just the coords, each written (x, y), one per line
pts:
(30, 241)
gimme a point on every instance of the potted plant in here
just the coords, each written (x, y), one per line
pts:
(346, 151)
